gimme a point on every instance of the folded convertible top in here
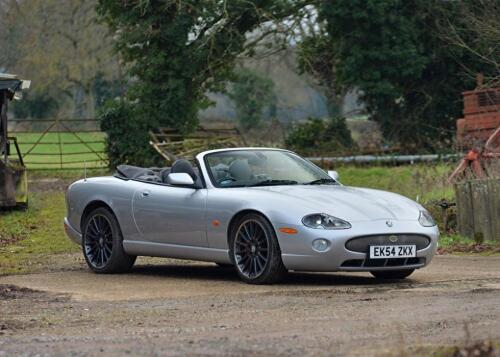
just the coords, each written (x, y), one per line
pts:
(133, 172)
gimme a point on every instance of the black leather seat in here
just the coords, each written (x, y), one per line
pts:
(240, 170)
(182, 166)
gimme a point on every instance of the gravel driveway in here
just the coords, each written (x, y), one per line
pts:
(177, 307)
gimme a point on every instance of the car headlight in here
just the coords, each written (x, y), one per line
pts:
(324, 221)
(426, 220)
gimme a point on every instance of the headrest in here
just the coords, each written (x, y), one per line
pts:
(183, 166)
(240, 170)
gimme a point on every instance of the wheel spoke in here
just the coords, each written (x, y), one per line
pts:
(248, 231)
(247, 263)
(242, 244)
(244, 236)
(91, 229)
(254, 265)
(102, 256)
(97, 258)
(106, 253)
(91, 235)
(258, 263)
(96, 226)
(260, 236)
(94, 248)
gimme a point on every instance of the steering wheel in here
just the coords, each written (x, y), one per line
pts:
(221, 180)
(261, 177)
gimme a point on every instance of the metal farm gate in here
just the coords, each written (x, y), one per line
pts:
(60, 144)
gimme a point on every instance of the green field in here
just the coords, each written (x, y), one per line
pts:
(29, 238)
(62, 150)
(421, 182)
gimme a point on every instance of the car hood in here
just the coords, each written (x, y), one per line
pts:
(349, 203)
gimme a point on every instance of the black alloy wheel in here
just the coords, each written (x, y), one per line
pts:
(102, 243)
(255, 251)
(251, 249)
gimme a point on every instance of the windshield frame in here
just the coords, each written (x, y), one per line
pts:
(215, 184)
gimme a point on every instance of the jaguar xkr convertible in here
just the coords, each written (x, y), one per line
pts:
(263, 211)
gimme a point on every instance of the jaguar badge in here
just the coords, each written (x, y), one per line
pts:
(393, 239)
(389, 223)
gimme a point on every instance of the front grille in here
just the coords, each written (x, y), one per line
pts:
(362, 244)
(378, 263)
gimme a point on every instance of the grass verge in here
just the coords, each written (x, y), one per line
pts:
(28, 238)
(423, 183)
(456, 244)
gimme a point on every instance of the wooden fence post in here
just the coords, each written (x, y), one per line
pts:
(478, 209)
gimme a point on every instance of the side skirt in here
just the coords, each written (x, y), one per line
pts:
(152, 249)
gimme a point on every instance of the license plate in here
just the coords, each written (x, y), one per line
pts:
(393, 251)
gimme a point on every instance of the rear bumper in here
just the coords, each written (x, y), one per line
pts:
(72, 233)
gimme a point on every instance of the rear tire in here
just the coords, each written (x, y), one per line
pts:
(392, 274)
(102, 243)
(255, 250)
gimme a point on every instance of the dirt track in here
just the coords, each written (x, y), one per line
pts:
(197, 308)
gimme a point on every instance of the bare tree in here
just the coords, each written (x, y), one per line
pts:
(61, 47)
(475, 27)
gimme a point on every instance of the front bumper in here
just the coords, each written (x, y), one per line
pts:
(72, 233)
(297, 252)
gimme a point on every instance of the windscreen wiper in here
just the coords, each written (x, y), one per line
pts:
(322, 181)
(273, 182)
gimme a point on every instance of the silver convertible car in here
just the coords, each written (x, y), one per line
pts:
(263, 211)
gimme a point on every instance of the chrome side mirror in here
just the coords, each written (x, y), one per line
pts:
(333, 174)
(180, 179)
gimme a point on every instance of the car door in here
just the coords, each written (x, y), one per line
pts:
(170, 214)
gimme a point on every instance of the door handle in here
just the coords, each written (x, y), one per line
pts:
(145, 193)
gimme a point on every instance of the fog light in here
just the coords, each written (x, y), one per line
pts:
(320, 245)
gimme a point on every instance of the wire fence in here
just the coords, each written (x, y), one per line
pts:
(60, 144)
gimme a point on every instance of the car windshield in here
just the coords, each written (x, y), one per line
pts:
(246, 168)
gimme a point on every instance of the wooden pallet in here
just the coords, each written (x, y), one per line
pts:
(172, 145)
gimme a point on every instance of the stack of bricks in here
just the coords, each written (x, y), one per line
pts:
(481, 117)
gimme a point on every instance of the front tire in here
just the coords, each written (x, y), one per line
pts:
(392, 274)
(102, 243)
(255, 250)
